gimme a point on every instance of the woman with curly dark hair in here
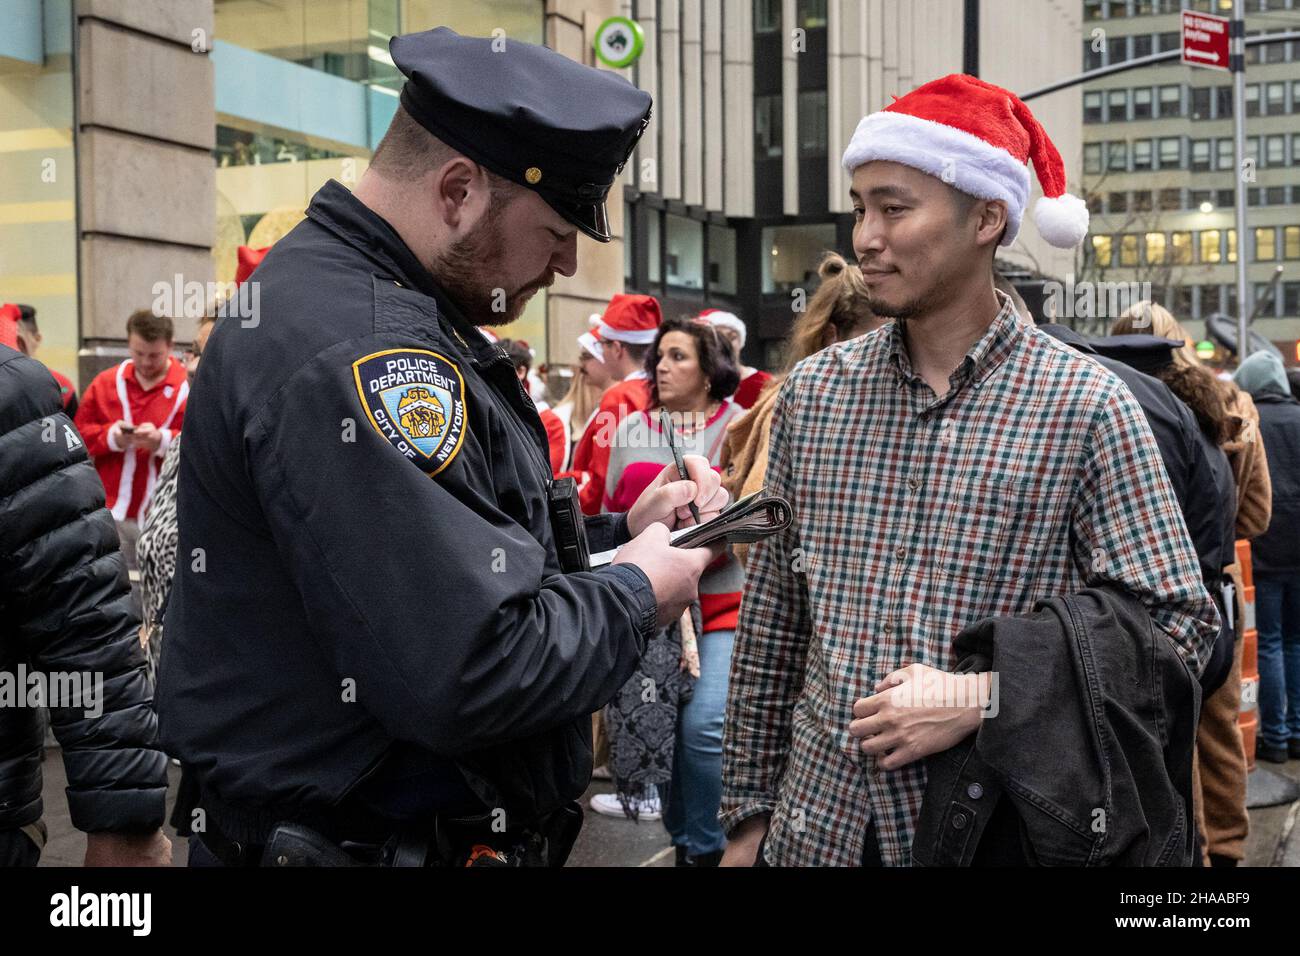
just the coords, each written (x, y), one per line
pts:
(665, 725)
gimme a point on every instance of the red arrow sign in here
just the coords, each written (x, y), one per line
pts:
(1205, 40)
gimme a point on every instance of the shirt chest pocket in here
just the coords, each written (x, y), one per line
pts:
(994, 528)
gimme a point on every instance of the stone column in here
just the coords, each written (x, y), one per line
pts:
(145, 131)
(570, 29)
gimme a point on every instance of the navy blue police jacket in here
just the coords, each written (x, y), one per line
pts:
(367, 580)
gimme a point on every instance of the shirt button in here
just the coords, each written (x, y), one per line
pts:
(914, 483)
(974, 791)
(899, 552)
(888, 627)
(959, 821)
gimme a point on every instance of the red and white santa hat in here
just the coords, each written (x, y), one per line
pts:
(726, 320)
(590, 342)
(978, 138)
(634, 319)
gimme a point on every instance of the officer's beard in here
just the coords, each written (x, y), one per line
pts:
(470, 270)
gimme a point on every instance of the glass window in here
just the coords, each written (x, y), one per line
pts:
(1209, 242)
(722, 260)
(1096, 205)
(1117, 106)
(1142, 103)
(812, 123)
(1142, 200)
(1252, 148)
(1171, 199)
(1275, 196)
(1275, 98)
(1128, 249)
(1223, 153)
(1295, 96)
(1252, 196)
(1232, 245)
(1265, 244)
(1170, 41)
(1091, 56)
(1295, 149)
(1291, 242)
(767, 127)
(653, 217)
(1180, 247)
(1275, 150)
(1275, 52)
(1092, 158)
(767, 16)
(1171, 101)
(1200, 97)
(1117, 156)
(1211, 300)
(790, 255)
(1117, 202)
(1226, 198)
(684, 252)
(1101, 251)
(1092, 107)
(1170, 152)
(1291, 298)
(1201, 161)
(1155, 247)
(811, 14)
(1143, 45)
(1141, 154)
(1198, 197)
(1092, 9)
(1145, 8)
(1223, 102)
(1252, 99)
(1118, 9)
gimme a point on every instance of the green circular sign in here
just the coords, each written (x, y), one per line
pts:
(619, 41)
(1205, 349)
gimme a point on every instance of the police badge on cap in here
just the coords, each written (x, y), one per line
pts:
(529, 114)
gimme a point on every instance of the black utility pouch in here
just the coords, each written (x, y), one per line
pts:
(567, 523)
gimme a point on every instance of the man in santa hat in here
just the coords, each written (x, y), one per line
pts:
(626, 331)
(952, 466)
(130, 413)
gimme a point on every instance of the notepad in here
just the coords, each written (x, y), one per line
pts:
(752, 518)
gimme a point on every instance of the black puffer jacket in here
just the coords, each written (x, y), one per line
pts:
(65, 610)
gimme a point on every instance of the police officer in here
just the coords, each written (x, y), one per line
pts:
(370, 640)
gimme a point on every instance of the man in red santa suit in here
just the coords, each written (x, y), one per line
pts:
(627, 330)
(130, 414)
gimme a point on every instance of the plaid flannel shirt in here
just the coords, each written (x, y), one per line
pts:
(915, 516)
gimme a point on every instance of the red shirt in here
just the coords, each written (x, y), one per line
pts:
(115, 395)
(591, 459)
(747, 394)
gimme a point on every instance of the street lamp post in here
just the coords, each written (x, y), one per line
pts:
(1237, 63)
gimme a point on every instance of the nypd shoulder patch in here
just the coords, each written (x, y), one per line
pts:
(415, 399)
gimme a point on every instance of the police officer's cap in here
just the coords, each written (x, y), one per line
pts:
(528, 114)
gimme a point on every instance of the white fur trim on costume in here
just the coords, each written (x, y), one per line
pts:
(962, 160)
(637, 337)
(1062, 221)
(728, 320)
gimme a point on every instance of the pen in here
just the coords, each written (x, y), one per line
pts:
(666, 423)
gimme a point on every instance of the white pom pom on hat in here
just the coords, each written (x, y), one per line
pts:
(978, 138)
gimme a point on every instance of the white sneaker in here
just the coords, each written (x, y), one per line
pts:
(607, 804)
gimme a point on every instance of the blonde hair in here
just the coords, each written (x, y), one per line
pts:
(584, 395)
(1151, 318)
(840, 301)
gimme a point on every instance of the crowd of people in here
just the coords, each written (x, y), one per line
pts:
(1009, 542)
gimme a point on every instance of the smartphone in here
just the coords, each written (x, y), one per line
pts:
(127, 429)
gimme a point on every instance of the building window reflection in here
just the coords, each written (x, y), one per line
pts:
(790, 255)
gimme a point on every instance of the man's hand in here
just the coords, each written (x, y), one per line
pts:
(147, 436)
(742, 845)
(117, 438)
(674, 573)
(128, 849)
(918, 711)
(666, 499)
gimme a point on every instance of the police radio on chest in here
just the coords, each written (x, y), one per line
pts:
(567, 523)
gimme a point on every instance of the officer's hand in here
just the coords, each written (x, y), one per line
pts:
(128, 849)
(665, 499)
(674, 573)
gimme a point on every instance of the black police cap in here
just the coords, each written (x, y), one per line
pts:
(528, 114)
(1146, 353)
